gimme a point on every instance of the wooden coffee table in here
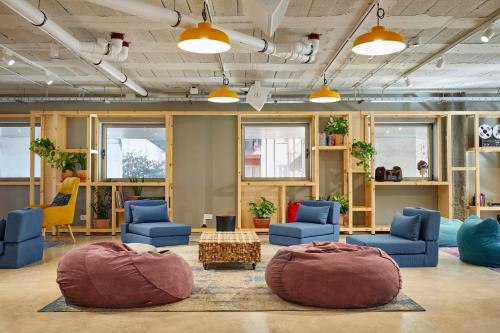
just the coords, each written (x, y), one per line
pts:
(241, 247)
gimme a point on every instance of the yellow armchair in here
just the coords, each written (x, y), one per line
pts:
(55, 216)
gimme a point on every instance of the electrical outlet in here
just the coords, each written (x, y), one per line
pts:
(83, 217)
(208, 216)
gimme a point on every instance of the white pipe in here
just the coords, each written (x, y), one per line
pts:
(39, 19)
(175, 19)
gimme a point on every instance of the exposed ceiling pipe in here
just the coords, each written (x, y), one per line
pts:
(39, 19)
(491, 19)
(272, 100)
(303, 53)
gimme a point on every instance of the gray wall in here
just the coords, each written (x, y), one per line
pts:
(205, 169)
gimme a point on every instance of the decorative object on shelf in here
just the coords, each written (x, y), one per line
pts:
(119, 199)
(344, 207)
(364, 152)
(293, 208)
(482, 200)
(379, 41)
(204, 38)
(137, 188)
(101, 207)
(489, 136)
(322, 139)
(225, 223)
(324, 94)
(392, 175)
(81, 159)
(338, 127)
(423, 168)
(263, 212)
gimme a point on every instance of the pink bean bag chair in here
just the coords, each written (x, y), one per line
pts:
(334, 275)
(111, 275)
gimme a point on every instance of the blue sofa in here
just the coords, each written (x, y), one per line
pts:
(301, 232)
(21, 240)
(147, 223)
(422, 252)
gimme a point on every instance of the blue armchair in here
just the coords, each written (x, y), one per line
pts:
(304, 231)
(420, 250)
(21, 240)
(147, 221)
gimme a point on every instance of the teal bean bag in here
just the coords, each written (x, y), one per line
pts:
(448, 232)
(479, 242)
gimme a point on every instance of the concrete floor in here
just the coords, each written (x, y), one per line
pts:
(458, 298)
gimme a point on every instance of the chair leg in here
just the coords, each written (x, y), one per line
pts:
(57, 232)
(71, 233)
(43, 232)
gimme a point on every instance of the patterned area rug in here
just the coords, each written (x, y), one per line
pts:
(231, 288)
(454, 252)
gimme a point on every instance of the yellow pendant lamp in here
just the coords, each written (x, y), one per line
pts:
(324, 94)
(379, 41)
(223, 94)
(203, 38)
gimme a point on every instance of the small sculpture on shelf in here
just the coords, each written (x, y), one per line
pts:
(423, 168)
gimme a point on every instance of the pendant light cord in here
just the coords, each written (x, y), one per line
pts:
(225, 80)
(380, 13)
(204, 11)
(325, 82)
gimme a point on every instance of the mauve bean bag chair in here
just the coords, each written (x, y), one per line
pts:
(110, 275)
(334, 275)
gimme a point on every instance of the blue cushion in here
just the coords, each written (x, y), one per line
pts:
(333, 214)
(300, 229)
(479, 241)
(2, 229)
(128, 207)
(406, 226)
(388, 243)
(429, 222)
(1, 248)
(448, 232)
(146, 214)
(310, 214)
(159, 229)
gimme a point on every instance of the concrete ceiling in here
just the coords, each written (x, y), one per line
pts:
(156, 63)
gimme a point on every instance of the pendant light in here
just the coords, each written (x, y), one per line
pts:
(324, 94)
(203, 38)
(223, 94)
(379, 41)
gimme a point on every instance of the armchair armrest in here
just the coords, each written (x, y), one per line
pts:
(23, 224)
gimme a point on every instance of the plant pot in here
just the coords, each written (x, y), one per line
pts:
(225, 223)
(339, 139)
(134, 197)
(343, 220)
(82, 174)
(261, 223)
(101, 223)
(67, 174)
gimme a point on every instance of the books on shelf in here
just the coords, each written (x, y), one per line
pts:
(119, 199)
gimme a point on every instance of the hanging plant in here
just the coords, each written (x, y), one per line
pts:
(43, 147)
(364, 152)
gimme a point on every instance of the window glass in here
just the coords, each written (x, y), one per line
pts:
(15, 152)
(135, 151)
(404, 145)
(275, 151)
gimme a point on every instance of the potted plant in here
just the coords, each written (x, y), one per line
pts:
(364, 152)
(338, 127)
(263, 212)
(66, 162)
(344, 206)
(101, 207)
(82, 161)
(43, 147)
(137, 188)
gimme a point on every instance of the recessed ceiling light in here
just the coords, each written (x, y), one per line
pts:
(11, 62)
(487, 35)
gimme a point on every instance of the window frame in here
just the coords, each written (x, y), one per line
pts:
(305, 124)
(103, 147)
(431, 142)
(27, 125)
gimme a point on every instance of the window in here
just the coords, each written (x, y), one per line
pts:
(134, 151)
(14, 151)
(404, 145)
(276, 151)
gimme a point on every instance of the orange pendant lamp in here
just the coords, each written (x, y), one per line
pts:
(223, 94)
(324, 94)
(204, 38)
(379, 41)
